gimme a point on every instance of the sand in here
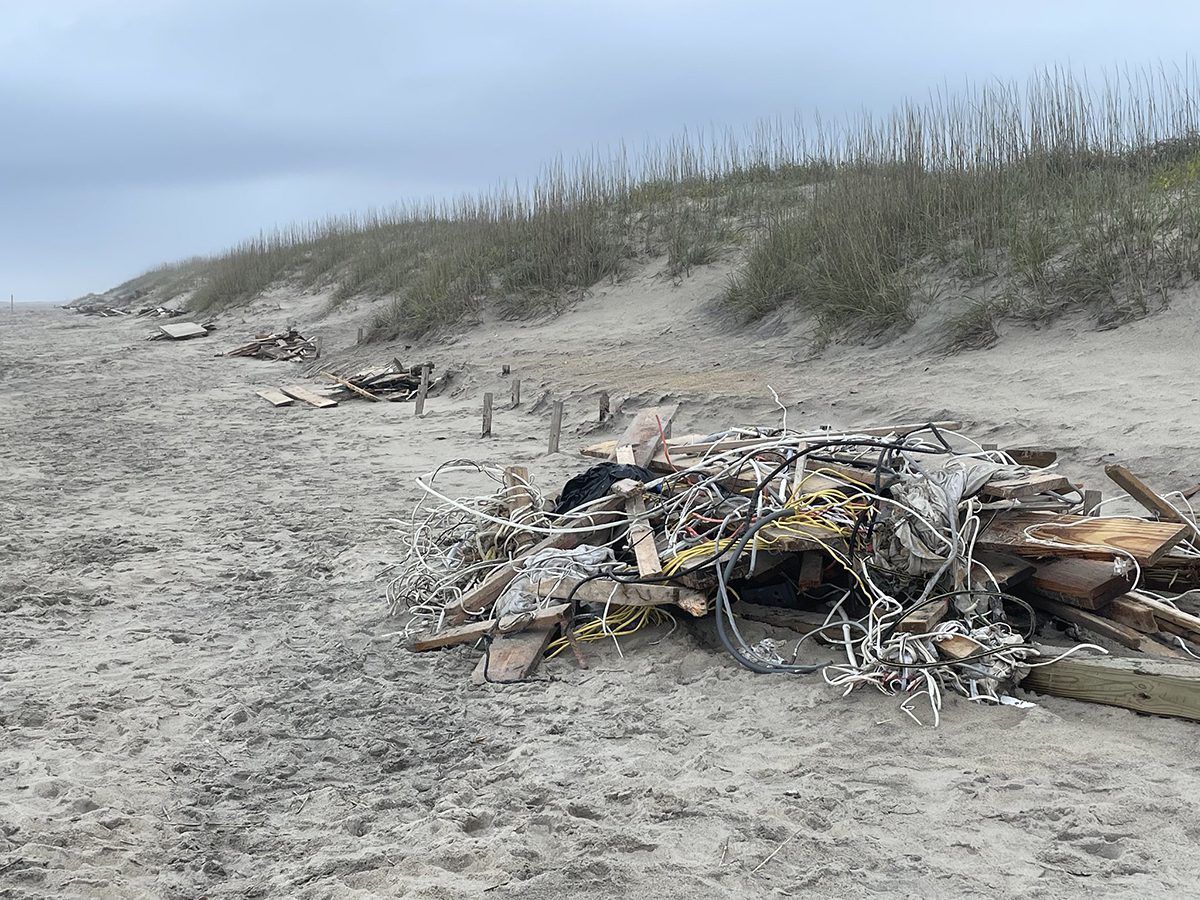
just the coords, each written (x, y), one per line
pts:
(201, 693)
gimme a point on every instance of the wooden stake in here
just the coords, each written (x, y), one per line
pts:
(516, 393)
(505, 370)
(1091, 502)
(487, 415)
(360, 335)
(556, 425)
(423, 390)
(519, 500)
(317, 345)
(605, 412)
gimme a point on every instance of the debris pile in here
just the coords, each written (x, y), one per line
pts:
(394, 382)
(910, 559)
(159, 312)
(283, 345)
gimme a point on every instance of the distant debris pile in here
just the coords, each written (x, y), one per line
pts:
(282, 345)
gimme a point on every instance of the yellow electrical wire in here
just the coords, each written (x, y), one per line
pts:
(621, 621)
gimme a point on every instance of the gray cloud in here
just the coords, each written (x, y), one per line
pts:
(135, 131)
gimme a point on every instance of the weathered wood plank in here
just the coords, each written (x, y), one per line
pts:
(274, 397)
(181, 331)
(1132, 613)
(1032, 456)
(641, 535)
(1026, 487)
(1008, 570)
(1084, 583)
(644, 433)
(1142, 493)
(1144, 685)
(513, 657)
(473, 631)
(353, 388)
(299, 392)
(518, 499)
(602, 590)
(1114, 631)
(1096, 537)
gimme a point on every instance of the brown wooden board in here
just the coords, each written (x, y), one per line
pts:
(812, 565)
(1131, 612)
(1087, 536)
(514, 657)
(924, 619)
(1038, 483)
(1032, 456)
(1144, 685)
(312, 399)
(274, 397)
(1142, 493)
(1085, 583)
(1008, 570)
(641, 535)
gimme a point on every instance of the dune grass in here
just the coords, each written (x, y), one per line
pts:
(1008, 201)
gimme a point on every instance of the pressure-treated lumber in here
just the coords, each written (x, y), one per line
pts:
(922, 620)
(1084, 583)
(1131, 612)
(645, 432)
(607, 511)
(300, 392)
(274, 397)
(1094, 537)
(473, 631)
(1148, 686)
(1166, 613)
(602, 590)
(1142, 493)
(1037, 483)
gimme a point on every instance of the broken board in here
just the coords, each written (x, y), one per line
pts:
(645, 433)
(1037, 483)
(302, 393)
(275, 398)
(513, 657)
(181, 331)
(1084, 583)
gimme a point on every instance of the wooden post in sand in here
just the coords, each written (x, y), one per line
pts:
(360, 335)
(487, 415)
(516, 393)
(555, 425)
(422, 390)
(605, 411)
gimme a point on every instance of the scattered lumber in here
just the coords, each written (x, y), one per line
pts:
(1105, 627)
(1027, 486)
(283, 345)
(394, 382)
(604, 590)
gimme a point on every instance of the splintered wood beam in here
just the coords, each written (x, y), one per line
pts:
(602, 590)
(1085, 583)
(1144, 685)
(1142, 493)
(473, 631)
(1095, 537)
(275, 398)
(644, 433)
(299, 392)
(608, 511)
(1128, 610)
(1026, 487)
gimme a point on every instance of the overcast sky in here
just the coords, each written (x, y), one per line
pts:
(134, 132)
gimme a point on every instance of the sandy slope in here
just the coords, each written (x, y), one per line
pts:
(199, 694)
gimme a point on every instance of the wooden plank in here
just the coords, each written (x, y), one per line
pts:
(1165, 612)
(1142, 493)
(923, 620)
(812, 565)
(1027, 487)
(274, 397)
(354, 388)
(513, 657)
(1144, 685)
(644, 433)
(801, 621)
(516, 393)
(518, 499)
(556, 417)
(602, 590)
(1129, 611)
(1032, 456)
(1095, 537)
(473, 631)
(422, 391)
(181, 331)
(608, 511)
(1084, 583)
(641, 535)
(1114, 631)
(299, 392)
(1091, 502)
(486, 430)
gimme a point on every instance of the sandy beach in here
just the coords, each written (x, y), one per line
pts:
(202, 694)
